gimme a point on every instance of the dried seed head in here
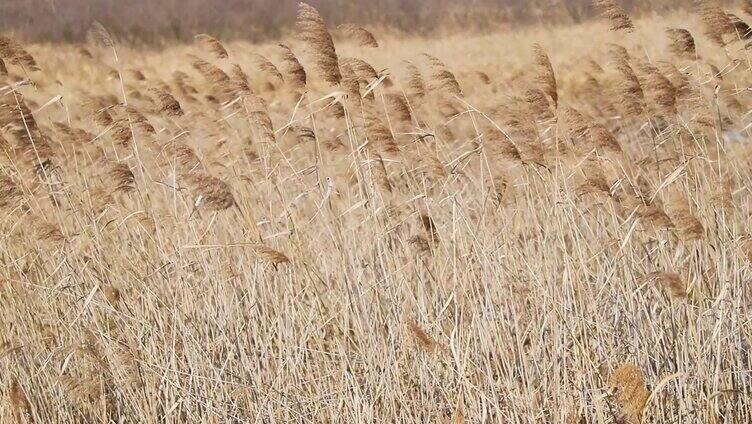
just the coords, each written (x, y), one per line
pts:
(362, 69)
(594, 181)
(629, 91)
(121, 132)
(498, 145)
(270, 255)
(398, 107)
(266, 66)
(212, 192)
(100, 36)
(293, 70)
(359, 34)
(219, 80)
(421, 244)
(576, 123)
(601, 138)
(15, 54)
(615, 15)
(545, 77)
(123, 179)
(258, 114)
(631, 393)
(19, 404)
(112, 294)
(413, 82)
(213, 46)
(182, 156)
(716, 22)
(10, 195)
(47, 231)
(689, 227)
(379, 174)
(659, 90)
(430, 227)
(539, 105)
(445, 81)
(380, 137)
(312, 31)
(669, 281)
(421, 337)
(740, 30)
(167, 103)
(682, 42)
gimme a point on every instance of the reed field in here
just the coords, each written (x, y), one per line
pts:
(549, 224)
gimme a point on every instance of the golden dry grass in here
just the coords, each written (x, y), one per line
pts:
(542, 226)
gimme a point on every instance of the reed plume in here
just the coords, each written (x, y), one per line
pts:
(659, 90)
(682, 42)
(219, 80)
(19, 404)
(630, 95)
(266, 66)
(444, 81)
(362, 36)
(361, 68)
(380, 137)
(421, 337)
(689, 227)
(414, 84)
(631, 392)
(295, 74)
(10, 195)
(576, 122)
(350, 82)
(212, 192)
(379, 174)
(213, 46)
(747, 6)
(398, 107)
(15, 54)
(313, 33)
(615, 14)
(669, 281)
(545, 77)
(716, 22)
(270, 255)
(539, 105)
(122, 177)
(99, 35)
(168, 105)
(180, 155)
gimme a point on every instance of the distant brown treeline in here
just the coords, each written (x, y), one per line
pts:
(154, 21)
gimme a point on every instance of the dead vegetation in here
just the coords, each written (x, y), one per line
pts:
(378, 229)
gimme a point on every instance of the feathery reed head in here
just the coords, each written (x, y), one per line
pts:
(628, 381)
(213, 46)
(359, 34)
(421, 337)
(545, 77)
(212, 192)
(312, 31)
(615, 14)
(294, 72)
(715, 20)
(682, 42)
(669, 281)
(99, 35)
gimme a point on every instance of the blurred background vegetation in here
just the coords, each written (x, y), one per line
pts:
(159, 21)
